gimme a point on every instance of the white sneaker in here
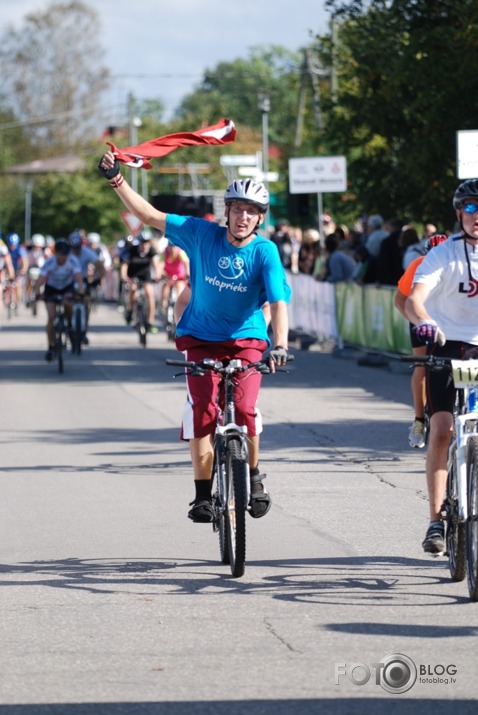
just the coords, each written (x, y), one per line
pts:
(416, 435)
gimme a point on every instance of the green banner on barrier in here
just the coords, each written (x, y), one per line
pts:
(366, 316)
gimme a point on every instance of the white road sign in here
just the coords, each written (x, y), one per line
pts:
(467, 153)
(315, 175)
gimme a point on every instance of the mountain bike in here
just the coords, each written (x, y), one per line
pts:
(230, 480)
(60, 329)
(460, 509)
(9, 298)
(140, 313)
(170, 321)
(33, 275)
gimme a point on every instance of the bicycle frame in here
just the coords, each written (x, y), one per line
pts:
(465, 424)
(460, 507)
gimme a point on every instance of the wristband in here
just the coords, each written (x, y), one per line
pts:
(117, 181)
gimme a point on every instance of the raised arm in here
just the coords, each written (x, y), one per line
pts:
(109, 167)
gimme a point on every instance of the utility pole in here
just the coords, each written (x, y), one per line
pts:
(133, 136)
(310, 72)
(265, 106)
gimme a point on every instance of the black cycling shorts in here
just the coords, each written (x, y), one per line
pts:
(51, 292)
(440, 388)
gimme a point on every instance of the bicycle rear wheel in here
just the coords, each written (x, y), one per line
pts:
(59, 350)
(472, 522)
(455, 530)
(236, 474)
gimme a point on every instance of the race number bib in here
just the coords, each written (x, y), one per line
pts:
(465, 373)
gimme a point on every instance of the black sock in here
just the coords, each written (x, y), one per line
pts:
(419, 419)
(256, 486)
(203, 488)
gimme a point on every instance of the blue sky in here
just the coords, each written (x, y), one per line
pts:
(167, 44)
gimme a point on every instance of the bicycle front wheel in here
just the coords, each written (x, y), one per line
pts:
(236, 474)
(472, 522)
(76, 334)
(219, 502)
(142, 329)
(455, 530)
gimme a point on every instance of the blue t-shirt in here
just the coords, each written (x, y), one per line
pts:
(229, 284)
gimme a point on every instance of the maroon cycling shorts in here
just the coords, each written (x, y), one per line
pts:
(199, 414)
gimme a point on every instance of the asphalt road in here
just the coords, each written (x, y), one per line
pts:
(112, 601)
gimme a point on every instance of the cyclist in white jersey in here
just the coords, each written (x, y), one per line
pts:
(61, 276)
(443, 305)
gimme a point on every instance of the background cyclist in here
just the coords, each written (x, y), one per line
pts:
(443, 305)
(174, 271)
(20, 264)
(92, 270)
(140, 262)
(232, 268)
(58, 275)
(6, 270)
(417, 432)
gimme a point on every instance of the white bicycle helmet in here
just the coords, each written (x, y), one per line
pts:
(249, 191)
(38, 240)
(93, 237)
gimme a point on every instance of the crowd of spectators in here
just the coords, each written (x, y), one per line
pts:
(375, 250)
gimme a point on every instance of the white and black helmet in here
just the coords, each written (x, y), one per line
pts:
(467, 190)
(38, 240)
(250, 191)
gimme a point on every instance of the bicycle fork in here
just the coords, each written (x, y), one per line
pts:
(462, 422)
(225, 437)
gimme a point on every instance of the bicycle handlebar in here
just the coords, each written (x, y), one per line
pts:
(200, 368)
(431, 361)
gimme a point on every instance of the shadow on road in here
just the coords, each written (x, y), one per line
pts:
(373, 581)
(392, 705)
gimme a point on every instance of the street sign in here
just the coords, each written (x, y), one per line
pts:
(133, 224)
(315, 175)
(258, 174)
(467, 153)
(238, 160)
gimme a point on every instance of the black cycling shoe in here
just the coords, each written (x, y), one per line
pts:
(261, 501)
(201, 512)
(49, 355)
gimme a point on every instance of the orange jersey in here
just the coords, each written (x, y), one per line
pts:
(406, 281)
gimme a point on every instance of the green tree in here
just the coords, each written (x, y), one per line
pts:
(52, 74)
(233, 90)
(406, 84)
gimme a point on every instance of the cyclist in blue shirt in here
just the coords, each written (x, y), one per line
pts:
(233, 270)
(19, 258)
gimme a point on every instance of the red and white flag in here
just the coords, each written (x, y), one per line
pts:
(139, 156)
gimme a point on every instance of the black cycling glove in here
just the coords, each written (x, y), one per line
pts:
(110, 173)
